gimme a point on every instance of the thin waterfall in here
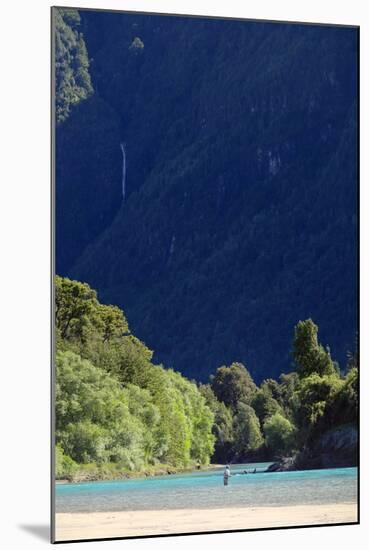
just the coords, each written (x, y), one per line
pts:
(123, 171)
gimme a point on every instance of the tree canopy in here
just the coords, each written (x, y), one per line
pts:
(233, 384)
(247, 432)
(112, 403)
(279, 434)
(308, 353)
(72, 78)
(115, 406)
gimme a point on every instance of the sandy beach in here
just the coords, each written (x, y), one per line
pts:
(155, 522)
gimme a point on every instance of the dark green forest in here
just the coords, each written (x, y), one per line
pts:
(240, 214)
(72, 78)
(119, 414)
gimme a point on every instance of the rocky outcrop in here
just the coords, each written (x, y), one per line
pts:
(336, 448)
(284, 465)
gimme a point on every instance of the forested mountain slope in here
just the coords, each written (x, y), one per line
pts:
(241, 185)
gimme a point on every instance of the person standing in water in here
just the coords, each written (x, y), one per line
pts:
(226, 475)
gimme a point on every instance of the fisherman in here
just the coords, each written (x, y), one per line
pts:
(226, 475)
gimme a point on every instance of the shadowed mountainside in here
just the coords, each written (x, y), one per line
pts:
(240, 213)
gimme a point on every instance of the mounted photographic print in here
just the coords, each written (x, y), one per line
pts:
(205, 291)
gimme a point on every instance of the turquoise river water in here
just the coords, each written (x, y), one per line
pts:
(204, 489)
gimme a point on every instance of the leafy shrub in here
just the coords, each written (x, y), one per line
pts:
(279, 435)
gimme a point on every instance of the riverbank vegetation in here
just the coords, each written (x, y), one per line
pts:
(113, 405)
(118, 414)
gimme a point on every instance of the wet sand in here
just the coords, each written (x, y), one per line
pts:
(78, 526)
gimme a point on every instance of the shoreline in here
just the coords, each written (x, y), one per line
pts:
(88, 525)
(163, 470)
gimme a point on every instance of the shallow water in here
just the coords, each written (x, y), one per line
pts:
(205, 490)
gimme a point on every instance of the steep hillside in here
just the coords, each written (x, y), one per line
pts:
(240, 211)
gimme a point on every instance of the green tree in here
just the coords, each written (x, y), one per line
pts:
(314, 394)
(342, 408)
(72, 78)
(289, 385)
(310, 356)
(279, 434)
(188, 419)
(223, 424)
(264, 403)
(246, 429)
(93, 419)
(97, 332)
(65, 467)
(233, 384)
(74, 302)
(137, 44)
(274, 389)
